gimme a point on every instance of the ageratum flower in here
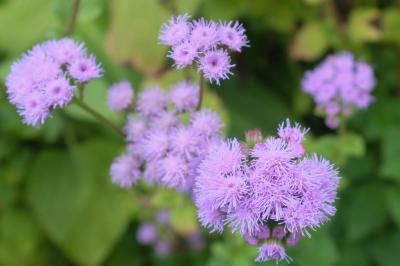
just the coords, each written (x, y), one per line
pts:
(340, 85)
(168, 138)
(205, 44)
(120, 96)
(269, 191)
(45, 78)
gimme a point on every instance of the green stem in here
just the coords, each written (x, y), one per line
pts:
(201, 92)
(72, 18)
(100, 117)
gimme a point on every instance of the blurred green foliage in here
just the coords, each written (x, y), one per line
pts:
(57, 206)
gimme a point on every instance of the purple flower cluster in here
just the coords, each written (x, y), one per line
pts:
(46, 77)
(120, 96)
(269, 192)
(159, 234)
(205, 43)
(161, 147)
(339, 85)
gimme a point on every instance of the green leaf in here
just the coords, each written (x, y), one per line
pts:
(247, 112)
(133, 34)
(309, 43)
(19, 238)
(382, 116)
(338, 149)
(365, 212)
(363, 24)
(386, 250)
(184, 218)
(320, 250)
(24, 32)
(392, 202)
(75, 203)
(391, 24)
(390, 167)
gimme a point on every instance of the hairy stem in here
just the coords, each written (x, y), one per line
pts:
(72, 18)
(100, 117)
(201, 92)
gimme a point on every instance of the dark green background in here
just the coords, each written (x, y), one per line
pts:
(57, 206)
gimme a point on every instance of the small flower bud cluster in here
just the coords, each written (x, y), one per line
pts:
(159, 234)
(46, 77)
(270, 193)
(339, 85)
(161, 147)
(205, 43)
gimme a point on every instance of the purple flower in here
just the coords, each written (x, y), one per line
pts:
(173, 170)
(39, 81)
(209, 217)
(35, 109)
(267, 192)
(85, 69)
(183, 54)
(205, 122)
(59, 92)
(293, 239)
(176, 30)
(279, 232)
(340, 83)
(154, 145)
(233, 35)
(272, 251)
(185, 141)
(151, 101)
(204, 34)
(120, 96)
(165, 120)
(163, 248)
(185, 96)
(65, 51)
(146, 234)
(125, 171)
(135, 128)
(215, 65)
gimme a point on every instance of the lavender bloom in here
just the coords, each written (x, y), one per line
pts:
(177, 30)
(151, 101)
(205, 122)
(163, 248)
(233, 35)
(120, 96)
(146, 234)
(40, 80)
(85, 69)
(125, 171)
(272, 251)
(168, 149)
(340, 83)
(215, 65)
(203, 43)
(184, 96)
(183, 54)
(58, 92)
(269, 192)
(135, 128)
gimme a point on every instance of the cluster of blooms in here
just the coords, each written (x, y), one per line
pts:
(339, 85)
(268, 191)
(161, 147)
(205, 43)
(46, 77)
(159, 234)
(120, 96)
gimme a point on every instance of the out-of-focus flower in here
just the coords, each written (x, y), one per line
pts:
(120, 96)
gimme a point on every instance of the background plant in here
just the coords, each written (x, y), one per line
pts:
(57, 204)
